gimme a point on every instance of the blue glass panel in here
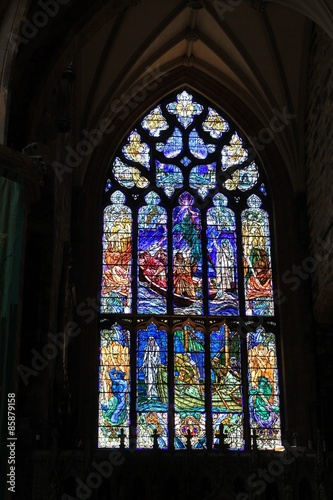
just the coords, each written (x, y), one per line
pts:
(197, 146)
(108, 185)
(173, 145)
(187, 257)
(189, 364)
(152, 257)
(185, 161)
(152, 387)
(203, 178)
(168, 177)
(262, 188)
(222, 258)
(114, 386)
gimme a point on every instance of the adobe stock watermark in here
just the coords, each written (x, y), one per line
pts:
(223, 7)
(301, 272)
(87, 309)
(279, 121)
(101, 470)
(31, 27)
(122, 108)
(276, 124)
(258, 480)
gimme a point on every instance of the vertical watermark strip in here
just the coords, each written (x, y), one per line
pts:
(11, 442)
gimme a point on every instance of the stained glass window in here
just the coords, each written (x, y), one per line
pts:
(222, 259)
(187, 277)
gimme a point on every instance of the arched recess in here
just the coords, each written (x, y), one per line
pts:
(89, 229)
(188, 322)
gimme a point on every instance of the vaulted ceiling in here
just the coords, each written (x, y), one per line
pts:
(253, 50)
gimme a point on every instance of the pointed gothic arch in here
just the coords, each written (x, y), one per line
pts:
(188, 324)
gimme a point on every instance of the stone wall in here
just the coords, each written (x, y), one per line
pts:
(319, 167)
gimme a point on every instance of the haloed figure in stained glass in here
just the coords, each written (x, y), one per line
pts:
(119, 387)
(152, 387)
(114, 384)
(224, 265)
(150, 364)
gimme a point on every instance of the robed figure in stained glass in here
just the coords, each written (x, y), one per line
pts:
(222, 248)
(150, 364)
(152, 387)
(224, 265)
(187, 251)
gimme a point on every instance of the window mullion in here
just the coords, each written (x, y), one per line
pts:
(208, 392)
(171, 394)
(205, 285)
(170, 305)
(245, 390)
(240, 267)
(133, 391)
(134, 274)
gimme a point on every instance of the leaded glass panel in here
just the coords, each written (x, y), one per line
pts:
(264, 394)
(152, 387)
(189, 387)
(114, 386)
